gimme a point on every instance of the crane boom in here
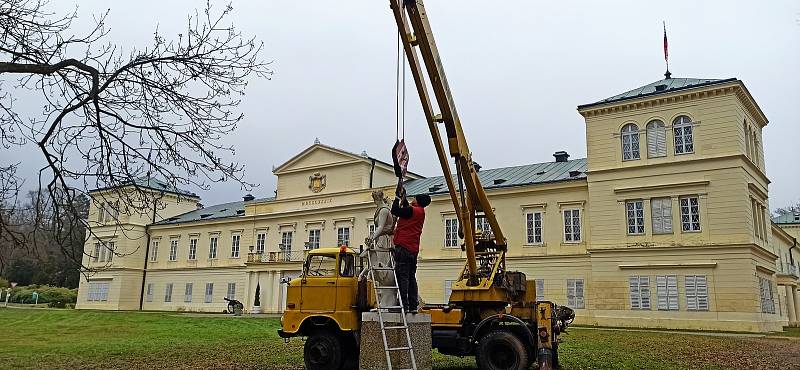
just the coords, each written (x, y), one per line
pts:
(469, 198)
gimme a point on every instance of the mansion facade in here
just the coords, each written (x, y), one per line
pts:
(665, 224)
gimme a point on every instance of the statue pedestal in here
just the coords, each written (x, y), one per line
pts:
(372, 355)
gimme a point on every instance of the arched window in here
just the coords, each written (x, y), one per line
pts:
(684, 141)
(630, 142)
(656, 139)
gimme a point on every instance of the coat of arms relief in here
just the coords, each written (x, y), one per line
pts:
(316, 182)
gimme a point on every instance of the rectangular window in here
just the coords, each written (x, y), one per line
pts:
(261, 239)
(235, 239)
(212, 247)
(343, 236)
(168, 293)
(684, 142)
(154, 251)
(187, 294)
(286, 245)
(483, 225)
(448, 290)
(192, 249)
(661, 214)
(539, 289)
(690, 214)
(451, 232)
(98, 291)
(572, 225)
(209, 292)
(697, 293)
(767, 300)
(533, 228)
(110, 253)
(313, 239)
(231, 290)
(101, 213)
(634, 214)
(96, 254)
(102, 252)
(173, 250)
(575, 293)
(640, 292)
(667, 292)
(150, 289)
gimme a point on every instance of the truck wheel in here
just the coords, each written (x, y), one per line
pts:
(501, 350)
(323, 351)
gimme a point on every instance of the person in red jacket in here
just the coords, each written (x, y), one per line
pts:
(410, 218)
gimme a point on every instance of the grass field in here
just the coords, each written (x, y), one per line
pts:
(69, 339)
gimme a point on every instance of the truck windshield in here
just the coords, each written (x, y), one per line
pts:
(319, 265)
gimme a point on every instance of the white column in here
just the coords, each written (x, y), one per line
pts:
(796, 298)
(276, 291)
(790, 308)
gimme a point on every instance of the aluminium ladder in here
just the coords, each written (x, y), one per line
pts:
(385, 289)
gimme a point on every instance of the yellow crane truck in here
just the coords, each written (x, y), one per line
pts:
(492, 312)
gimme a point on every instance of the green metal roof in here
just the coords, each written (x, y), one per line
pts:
(224, 210)
(529, 174)
(788, 218)
(155, 184)
(663, 86)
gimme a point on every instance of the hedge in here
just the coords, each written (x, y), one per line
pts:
(54, 296)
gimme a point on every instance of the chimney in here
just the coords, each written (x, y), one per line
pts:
(248, 197)
(561, 156)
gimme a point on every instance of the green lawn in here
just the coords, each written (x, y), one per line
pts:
(69, 339)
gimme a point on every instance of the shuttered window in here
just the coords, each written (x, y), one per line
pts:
(640, 292)
(209, 292)
(630, 142)
(575, 293)
(634, 214)
(539, 289)
(187, 293)
(696, 293)
(656, 139)
(767, 299)
(667, 292)
(168, 293)
(661, 212)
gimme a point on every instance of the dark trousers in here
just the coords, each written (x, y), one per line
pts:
(405, 266)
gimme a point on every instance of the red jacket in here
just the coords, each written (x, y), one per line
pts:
(408, 229)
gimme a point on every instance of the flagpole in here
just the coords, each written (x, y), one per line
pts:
(668, 75)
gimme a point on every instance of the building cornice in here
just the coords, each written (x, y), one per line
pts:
(757, 171)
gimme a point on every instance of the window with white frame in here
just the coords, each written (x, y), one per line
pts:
(667, 292)
(690, 213)
(661, 215)
(539, 289)
(173, 250)
(96, 254)
(682, 129)
(639, 287)
(533, 227)
(212, 247)
(261, 240)
(451, 232)
(187, 293)
(313, 238)
(656, 139)
(483, 225)
(110, 246)
(343, 236)
(634, 214)
(154, 251)
(630, 142)
(150, 289)
(193, 249)
(767, 299)
(98, 291)
(168, 293)
(209, 292)
(235, 239)
(286, 244)
(572, 225)
(448, 290)
(575, 293)
(696, 288)
(231, 291)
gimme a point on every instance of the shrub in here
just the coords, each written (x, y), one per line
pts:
(47, 294)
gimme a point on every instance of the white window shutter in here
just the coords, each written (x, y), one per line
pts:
(661, 291)
(633, 282)
(539, 289)
(571, 293)
(655, 212)
(702, 292)
(691, 292)
(579, 302)
(644, 291)
(666, 212)
(672, 291)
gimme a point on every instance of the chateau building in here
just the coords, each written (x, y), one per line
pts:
(665, 224)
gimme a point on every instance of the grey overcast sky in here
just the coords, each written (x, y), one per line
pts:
(517, 70)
